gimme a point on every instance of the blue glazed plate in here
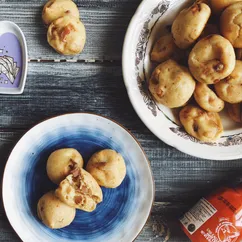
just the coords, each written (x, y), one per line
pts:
(123, 212)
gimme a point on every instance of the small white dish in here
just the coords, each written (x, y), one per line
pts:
(13, 58)
(153, 18)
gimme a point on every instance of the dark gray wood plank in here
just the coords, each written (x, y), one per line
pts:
(57, 88)
(164, 215)
(106, 22)
(162, 224)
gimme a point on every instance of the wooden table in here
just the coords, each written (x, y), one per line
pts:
(93, 82)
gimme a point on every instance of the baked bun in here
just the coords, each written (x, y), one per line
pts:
(80, 190)
(164, 49)
(189, 24)
(219, 5)
(207, 98)
(204, 126)
(67, 35)
(230, 89)
(54, 213)
(171, 84)
(61, 162)
(108, 168)
(55, 9)
(235, 112)
(212, 59)
(231, 24)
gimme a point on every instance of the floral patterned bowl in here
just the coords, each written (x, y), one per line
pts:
(13, 58)
(153, 18)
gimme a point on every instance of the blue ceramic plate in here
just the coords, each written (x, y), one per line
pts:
(123, 212)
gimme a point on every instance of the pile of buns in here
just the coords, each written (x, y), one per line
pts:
(78, 188)
(66, 33)
(198, 68)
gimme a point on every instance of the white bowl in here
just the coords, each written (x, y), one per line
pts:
(147, 25)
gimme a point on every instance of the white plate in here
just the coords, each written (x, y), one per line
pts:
(147, 25)
(124, 210)
(13, 58)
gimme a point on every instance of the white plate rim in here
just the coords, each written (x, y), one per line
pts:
(126, 75)
(95, 115)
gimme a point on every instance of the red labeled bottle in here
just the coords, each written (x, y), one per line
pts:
(217, 218)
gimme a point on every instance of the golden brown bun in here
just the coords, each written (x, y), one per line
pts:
(189, 24)
(171, 84)
(61, 162)
(54, 213)
(235, 111)
(108, 168)
(55, 9)
(67, 35)
(80, 190)
(204, 126)
(212, 59)
(230, 89)
(231, 24)
(219, 5)
(164, 49)
(207, 99)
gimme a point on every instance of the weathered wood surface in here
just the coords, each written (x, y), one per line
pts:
(57, 88)
(105, 20)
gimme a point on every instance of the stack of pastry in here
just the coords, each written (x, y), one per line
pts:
(198, 70)
(78, 188)
(66, 33)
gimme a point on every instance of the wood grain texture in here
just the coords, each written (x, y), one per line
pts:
(57, 88)
(106, 22)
